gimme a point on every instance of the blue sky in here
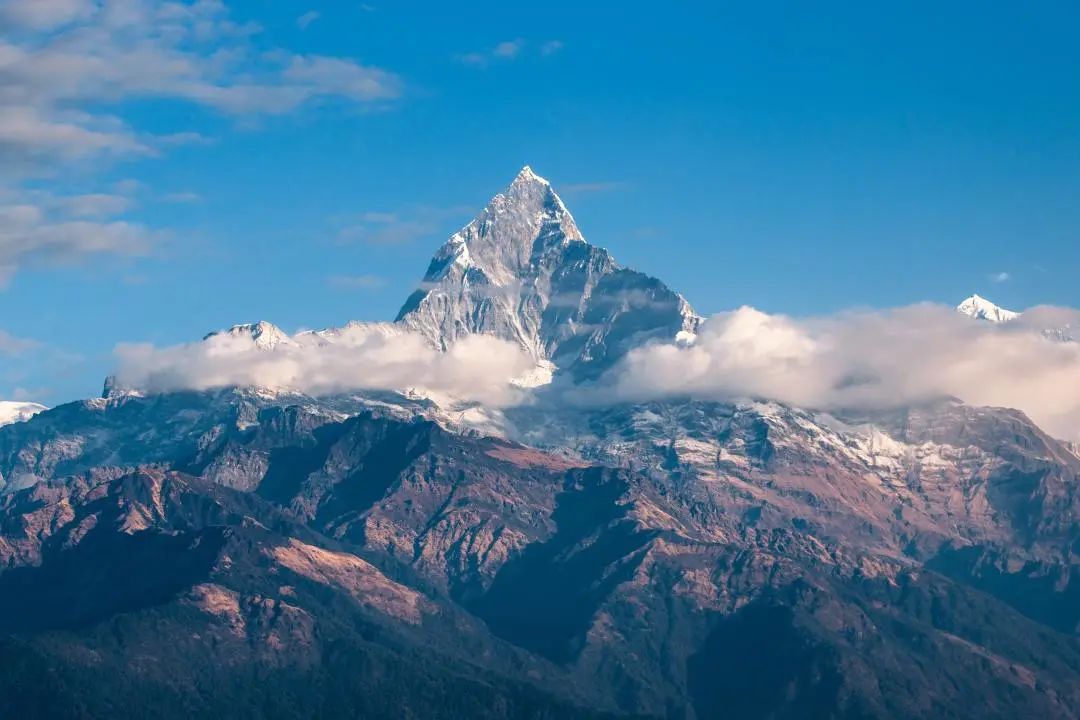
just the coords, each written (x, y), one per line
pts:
(172, 168)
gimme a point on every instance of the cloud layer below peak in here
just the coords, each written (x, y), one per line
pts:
(360, 357)
(870, 360)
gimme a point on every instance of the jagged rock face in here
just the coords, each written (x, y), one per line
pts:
(523, 272)
(902, 483)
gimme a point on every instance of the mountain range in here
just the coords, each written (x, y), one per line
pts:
(254, 551)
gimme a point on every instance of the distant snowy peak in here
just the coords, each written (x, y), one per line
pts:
(982, 309)
(522, 271)
(352, 331)
(12, 411)
(266, 336)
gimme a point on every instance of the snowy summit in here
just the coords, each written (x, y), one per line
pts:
(982, 309)
(12, 411)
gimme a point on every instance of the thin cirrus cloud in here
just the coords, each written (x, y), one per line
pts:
(307, 18)
(870, 360)
(45, 14)
(399, 228)
(357, 282)
(56, 231)
(67, 67)
(1000, 277)
(180, 198)
(11, 345)
(585, 188)
(505, 51)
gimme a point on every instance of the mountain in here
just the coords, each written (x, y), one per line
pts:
(243, 553)
(522, 271)
(660, 566)
(982, 309)
(265, 335)
(1057, 324)
(12, 411)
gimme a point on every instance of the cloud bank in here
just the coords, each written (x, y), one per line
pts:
(855, 360)
(360, 357)
(871, 360)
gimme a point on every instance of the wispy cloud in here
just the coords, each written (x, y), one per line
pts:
(46, 230)
(45, 14)
(583, 188)
(551, 47)
(357, 282)
(1000, 277)
(398, 228)
(307, 18)
(67, 69)
(508, 48)
(11, 345)
(63, 61)
(95, 205)
(505, 50)
(178, 198)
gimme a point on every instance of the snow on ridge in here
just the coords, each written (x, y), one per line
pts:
(982, 309)
(13, 411)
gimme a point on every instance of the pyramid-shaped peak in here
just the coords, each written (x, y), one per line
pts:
(526, 175)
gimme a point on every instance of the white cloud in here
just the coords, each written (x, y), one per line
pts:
(1000, 277)
(508, 48)
(44, 14)
(30, 137)
(870, 360)
(307, 18)
(477, 368)
(67, 59)
(505, 50)
(68, 66)
(95, 205)
(47, 230)
(551, 47)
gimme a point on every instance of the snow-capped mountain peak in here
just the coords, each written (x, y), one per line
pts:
(526, 175)
(265, 335)
(522, 271)
(12, 411)
(982, 309)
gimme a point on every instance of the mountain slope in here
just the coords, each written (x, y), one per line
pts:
(550, 582)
